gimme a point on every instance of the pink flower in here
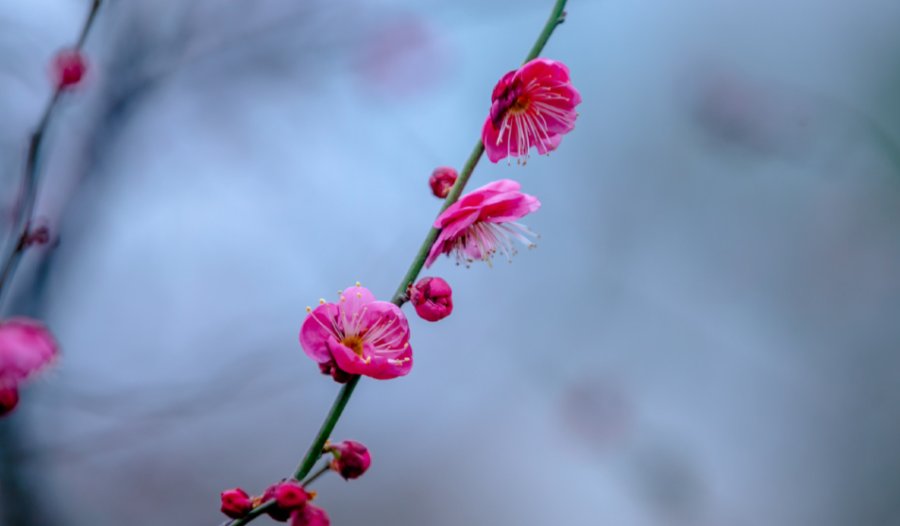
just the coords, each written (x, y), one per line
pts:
(9, 399)
(68, 68)
(26, 347)
(351, 459)
(482, 223)
(359, 334)
(432, 298)
(532, 106)
(442, 180)
(310, 515)
(290, 495)
(236, 503)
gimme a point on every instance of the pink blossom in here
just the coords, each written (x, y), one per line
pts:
(532, 106)
(442, 180)
(26, 347)
(310, 515)
(290, 495)
(68, 68)
(432, 298)
(351, 459)
(236, 503)
(482, 223)
(359, 334)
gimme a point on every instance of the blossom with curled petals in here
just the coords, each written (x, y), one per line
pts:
(359, 335)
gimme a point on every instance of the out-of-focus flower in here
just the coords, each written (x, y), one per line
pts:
(310, 515)
(442, 180)
(236, 503)
(532, 106)
(351, 458)
(482, 223)
(359, 334)
(69, 67)
(432, 298)
(26, 348)
(9, 399)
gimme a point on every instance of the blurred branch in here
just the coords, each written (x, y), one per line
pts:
(28, 191)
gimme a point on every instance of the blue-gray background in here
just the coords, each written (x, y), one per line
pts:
(707, 334)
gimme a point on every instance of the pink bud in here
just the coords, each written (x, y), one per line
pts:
(277, 513)
(68, 68)
(9, 399)
(37, 236)
(236, 503)
(26, 348)
(290, 495)
(351, 459)
(442, 180)
(310, 515)
(432, 298)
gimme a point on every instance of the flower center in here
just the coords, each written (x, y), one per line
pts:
(355, 343)
(512, 100)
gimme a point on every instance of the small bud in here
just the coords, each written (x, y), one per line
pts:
(310, 515)
(290, 495)
(339, 375)
(9, 399)
(68, 68)
(277, 513)
(351, 459)
(442, 180)
(37, 236)
(432, 298)
(236, 503)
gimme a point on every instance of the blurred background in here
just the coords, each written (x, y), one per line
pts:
(707, 334)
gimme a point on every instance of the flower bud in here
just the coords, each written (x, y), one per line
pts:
(68, 68)
(432, 298)
(9, 399)
(236, 503)
(310, 515)
(290, 495)
(351, 459)
(330, 368)
(442, 180)
(276, 512)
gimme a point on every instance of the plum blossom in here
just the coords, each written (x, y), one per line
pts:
(26, 348)
(482, 223)
(236, 503)
(69, 68)
(310, 515)
(442, 180)
(351, 458)
(432, 298)
(532, 106)
(358, 335)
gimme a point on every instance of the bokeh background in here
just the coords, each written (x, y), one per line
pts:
(707, 334)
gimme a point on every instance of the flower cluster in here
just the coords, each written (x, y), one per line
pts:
(26, 348)
(288, 501)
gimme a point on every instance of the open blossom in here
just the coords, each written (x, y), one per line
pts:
(482, 223)
(26, 347)
(359, 335)
(532, 106)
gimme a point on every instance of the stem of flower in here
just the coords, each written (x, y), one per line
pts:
(28, 191)
(400, 297)
(312, 478)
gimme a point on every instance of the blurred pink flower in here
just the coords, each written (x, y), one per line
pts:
(432, 298)
(532, 106)
(351, 458)
(9, 399)
(310, 515)
(290, 495)
(482, 223)
(442, 180)
(68, 68)
(359, 334)
(26, 347)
